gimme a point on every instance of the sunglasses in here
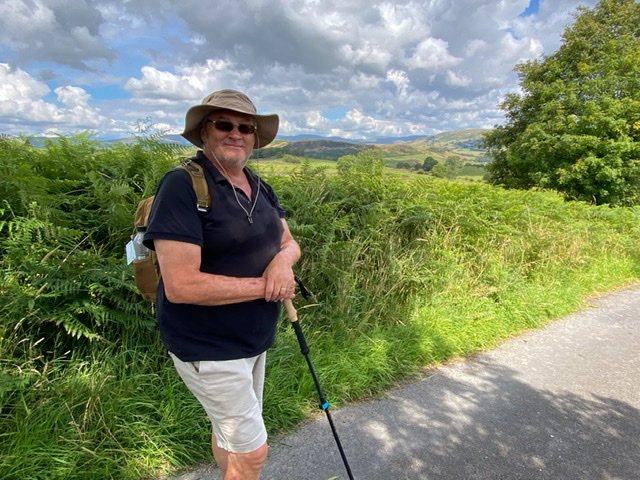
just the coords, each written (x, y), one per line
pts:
(227, 126)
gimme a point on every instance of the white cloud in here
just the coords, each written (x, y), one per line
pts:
(20, 20)
(358, 125)
(190, 82)
(400, 80)
(475, 46)
(18, 86)
(363, 82)
(65, 31)
(400, 21)
(457, 80)
(367, 53)
(315, 120)
(73, 96)
(397, 67)
(23, 108)
(432, 54)
(20, 100)
(156, 84)
(520, 50)
(198, 40)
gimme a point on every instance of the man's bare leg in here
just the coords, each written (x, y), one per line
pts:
(240, 466)
(220, 455)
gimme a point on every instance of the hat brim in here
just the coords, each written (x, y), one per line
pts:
(267, 125)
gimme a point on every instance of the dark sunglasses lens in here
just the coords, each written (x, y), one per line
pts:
(226, 126)
(223, 125)
(246, 128)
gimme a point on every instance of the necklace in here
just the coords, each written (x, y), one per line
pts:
(248, 213)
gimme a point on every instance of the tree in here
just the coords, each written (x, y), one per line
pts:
(576, 126)
(451, 168)
(454, 166)
(429, 163)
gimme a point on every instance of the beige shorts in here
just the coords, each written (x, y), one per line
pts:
(231, 393)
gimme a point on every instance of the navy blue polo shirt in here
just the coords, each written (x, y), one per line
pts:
(231, 245)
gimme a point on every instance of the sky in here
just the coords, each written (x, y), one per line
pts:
(359, 69)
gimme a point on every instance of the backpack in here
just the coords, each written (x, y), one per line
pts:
(146, 270)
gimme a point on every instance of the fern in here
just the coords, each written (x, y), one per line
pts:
(58, 285)
(70, 323)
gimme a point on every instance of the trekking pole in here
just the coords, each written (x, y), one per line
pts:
(324, 404)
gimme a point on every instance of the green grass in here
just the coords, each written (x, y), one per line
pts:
(473, 171)
(116, 414)
(407, 270)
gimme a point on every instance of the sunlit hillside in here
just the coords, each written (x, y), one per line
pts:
(466, 144)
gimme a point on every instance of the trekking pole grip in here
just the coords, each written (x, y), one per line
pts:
(292, 314)
(293, 318)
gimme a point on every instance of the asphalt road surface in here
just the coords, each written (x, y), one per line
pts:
(558, 403)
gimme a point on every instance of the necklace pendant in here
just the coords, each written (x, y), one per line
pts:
(250, 218)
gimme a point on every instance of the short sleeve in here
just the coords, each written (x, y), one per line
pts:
(174, 214)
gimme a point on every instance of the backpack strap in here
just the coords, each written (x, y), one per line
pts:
(199, 182)
(143, 211)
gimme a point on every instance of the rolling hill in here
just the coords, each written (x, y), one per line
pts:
(466, 144)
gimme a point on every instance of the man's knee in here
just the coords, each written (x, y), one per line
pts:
(253, 460)
(259, 455)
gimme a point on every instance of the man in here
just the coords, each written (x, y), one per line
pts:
(224, 275)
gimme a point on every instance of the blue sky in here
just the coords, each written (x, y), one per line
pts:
(532, 8)
(357, 69)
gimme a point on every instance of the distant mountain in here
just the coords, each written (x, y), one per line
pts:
(176, 139)
(320, 148)
(374, 141)
(467, 144)
(179, 139)
(467, 139)
(394, 140)
(306, 137)
(464, 143)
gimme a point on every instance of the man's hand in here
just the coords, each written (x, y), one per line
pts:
(279, 276)
(280, 280)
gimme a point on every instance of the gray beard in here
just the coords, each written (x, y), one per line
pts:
(228, 163)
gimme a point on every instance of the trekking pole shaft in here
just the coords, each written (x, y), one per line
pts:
(339, 444)
(292, 314)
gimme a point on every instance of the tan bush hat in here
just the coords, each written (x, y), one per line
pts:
(267, 125)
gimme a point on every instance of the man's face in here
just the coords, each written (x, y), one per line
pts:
(231, 148)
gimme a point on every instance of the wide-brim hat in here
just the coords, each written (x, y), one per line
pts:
(267, 125)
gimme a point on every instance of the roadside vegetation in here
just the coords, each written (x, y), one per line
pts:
(407, 271)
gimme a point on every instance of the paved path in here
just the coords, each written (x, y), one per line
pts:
(558, 403)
